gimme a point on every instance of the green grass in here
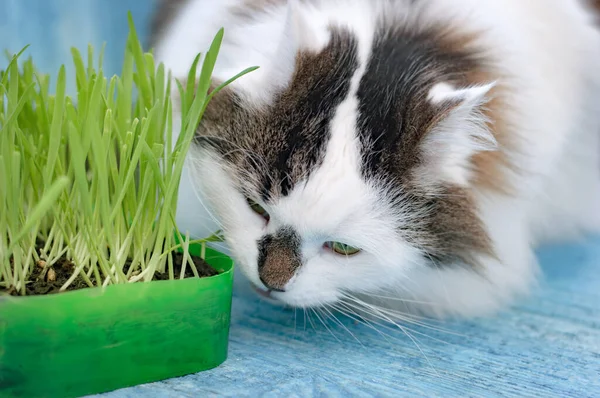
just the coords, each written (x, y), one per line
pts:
(95, 177)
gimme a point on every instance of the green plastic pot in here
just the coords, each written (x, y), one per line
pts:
(100, 339)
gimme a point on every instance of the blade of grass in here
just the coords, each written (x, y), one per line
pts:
(42, 207)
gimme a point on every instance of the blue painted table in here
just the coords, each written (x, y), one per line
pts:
(548, 345)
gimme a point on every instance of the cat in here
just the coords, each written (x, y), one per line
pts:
(402, 154)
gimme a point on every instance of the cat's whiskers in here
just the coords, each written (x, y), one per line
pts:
(352, 314)
(307, 312)
(336, 320)
(318, 313)
(304, 315)
(390, 315)
(386, 325)
(403, 300)
(219, 246)
(295, 320)
(378, 313)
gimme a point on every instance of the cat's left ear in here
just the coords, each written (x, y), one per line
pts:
(298, 34)
(301, 33)
(461, 131)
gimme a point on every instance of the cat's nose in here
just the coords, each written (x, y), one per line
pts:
(278, 259)
(276, 271)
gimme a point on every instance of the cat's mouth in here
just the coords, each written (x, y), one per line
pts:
(265, 293)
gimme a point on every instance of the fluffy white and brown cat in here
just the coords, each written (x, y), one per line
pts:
(408, 152)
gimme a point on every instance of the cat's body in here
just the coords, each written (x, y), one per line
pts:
(445, 139)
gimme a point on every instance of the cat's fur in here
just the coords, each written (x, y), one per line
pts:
(444, 138)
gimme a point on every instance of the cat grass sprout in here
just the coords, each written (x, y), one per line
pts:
(93, 178)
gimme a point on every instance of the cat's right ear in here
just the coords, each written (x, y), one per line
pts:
(461, 132)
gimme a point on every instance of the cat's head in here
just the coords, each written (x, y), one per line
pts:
(347, 164)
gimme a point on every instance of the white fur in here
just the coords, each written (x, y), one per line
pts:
(548, 53)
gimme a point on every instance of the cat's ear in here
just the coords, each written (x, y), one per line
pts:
(299, 30)
(461, 131)
(299, 34)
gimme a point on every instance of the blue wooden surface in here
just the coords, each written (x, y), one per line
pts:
(548, 345)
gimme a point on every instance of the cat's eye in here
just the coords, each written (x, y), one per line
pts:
(342, 248)
(258, 209)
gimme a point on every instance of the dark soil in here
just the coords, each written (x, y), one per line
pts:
(50, 280)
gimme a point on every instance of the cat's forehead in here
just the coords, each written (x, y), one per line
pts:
(309, 170)
(273, 148)
(292, 136)
(335, 192)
